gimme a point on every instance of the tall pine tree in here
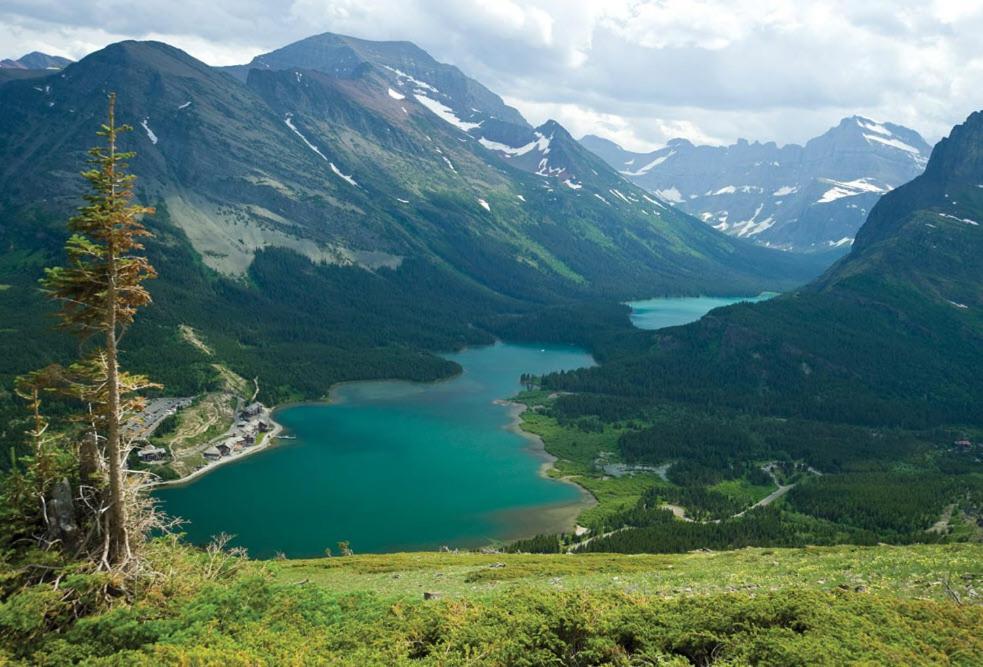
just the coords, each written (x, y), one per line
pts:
(100, 290)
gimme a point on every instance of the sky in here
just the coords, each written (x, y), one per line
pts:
(637, 72)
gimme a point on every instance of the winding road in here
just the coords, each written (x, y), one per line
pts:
(680, 512)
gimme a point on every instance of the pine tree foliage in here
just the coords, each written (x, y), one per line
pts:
(100, 291)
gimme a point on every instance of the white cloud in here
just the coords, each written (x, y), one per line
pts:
(637, 71)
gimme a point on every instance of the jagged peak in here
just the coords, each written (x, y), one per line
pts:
(553, 128)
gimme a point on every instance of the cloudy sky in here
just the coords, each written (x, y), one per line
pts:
(638, 72)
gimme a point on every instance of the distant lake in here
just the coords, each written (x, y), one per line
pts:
(393, 466)
(671, 312)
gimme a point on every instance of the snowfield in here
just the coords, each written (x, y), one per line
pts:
(444, 112)
(842, 189)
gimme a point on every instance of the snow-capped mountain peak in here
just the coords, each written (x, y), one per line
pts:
(795, 197)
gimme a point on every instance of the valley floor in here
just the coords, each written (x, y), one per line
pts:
(656, 491)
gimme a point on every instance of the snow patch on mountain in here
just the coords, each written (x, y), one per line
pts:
(753, 226)
(871, 126)
(859, 156)
(497, 146)
(444, 112)
(344, 177)
(968, 221)
(288, 119)
(897, 143)
(540, 143)
(544, 168)
(404, 77)
(145, 124)
(509, 151)
(484, 205)
(648, 167)
(185, 105)
(618, 194)
(396, 96)
(653, 201)
(842, 189)
(573, 186)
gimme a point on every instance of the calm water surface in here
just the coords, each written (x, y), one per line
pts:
(398, 466)
(659, 313)
(392, 466)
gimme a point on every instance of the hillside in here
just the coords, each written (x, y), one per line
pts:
(911, 605)
(324, 202)
(909, 290)
(807, 198)
(318, 225)
(847, 411)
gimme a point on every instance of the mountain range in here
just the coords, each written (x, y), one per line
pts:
(325, 186)
(890, 334)
(35, 60)
(800, 198)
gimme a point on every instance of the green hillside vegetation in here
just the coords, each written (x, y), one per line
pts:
(850, 393)
(902, 605)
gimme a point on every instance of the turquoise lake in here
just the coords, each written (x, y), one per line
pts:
(393, 466)
(400, 466)
(659, 313)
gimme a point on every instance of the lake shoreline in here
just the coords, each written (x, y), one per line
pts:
(268, 443)
(535, 505)
(278, 429)
(538, 448)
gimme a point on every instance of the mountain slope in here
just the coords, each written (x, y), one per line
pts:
(414, 82)
(804, 198)
(299, 213)
(407, 68)
(243, 167)
(892, 334)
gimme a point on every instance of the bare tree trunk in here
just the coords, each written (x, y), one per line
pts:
(119, 547)
(119, 544)
(62, 524)
(90, 463)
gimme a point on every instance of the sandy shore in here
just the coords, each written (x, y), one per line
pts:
(567, 515)
(268, 442)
